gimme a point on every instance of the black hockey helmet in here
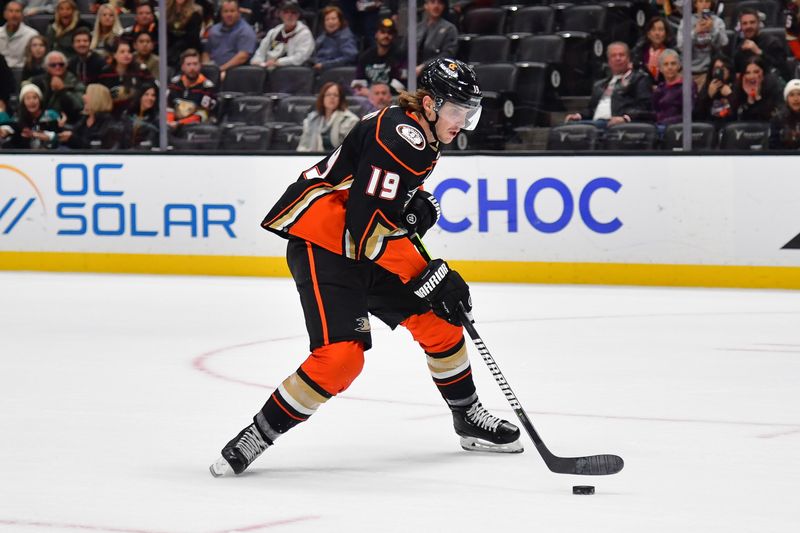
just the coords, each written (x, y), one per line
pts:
(452, 80)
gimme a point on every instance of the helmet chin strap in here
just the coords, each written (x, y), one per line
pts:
(432, 123)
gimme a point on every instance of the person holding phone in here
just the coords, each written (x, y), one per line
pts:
(708, 38)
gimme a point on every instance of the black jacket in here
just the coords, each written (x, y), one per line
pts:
(785, 130)
(87, 70)
(632, 96)
(773, 54)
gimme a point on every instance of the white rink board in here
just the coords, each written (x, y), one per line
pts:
(646, 210)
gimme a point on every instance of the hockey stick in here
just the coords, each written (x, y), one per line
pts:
(591, 465)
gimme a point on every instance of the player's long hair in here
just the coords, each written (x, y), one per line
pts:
(412, 102)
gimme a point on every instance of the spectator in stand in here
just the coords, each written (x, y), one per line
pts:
(668, 96)
(35, 126)
(14, 35)
(106, 28)
(143, 46)
(750, 42)
(60, 89)
(67, 20)
(7, 88)
(379, 96)
(145, 22)
(141, 120)
(708, 38)
(436, 37)
(231, 42)
(122, 76)
(716, 99)
(362, 17)
(184, 22)
(34, 57)
(792, 20)
(86, 64)
(757, 93)
(96, 129)
(625, 96)
(327, 125)
(785, 127)
(336, 45)
(382, 63)
(36, 7)
(657, 38)
(288, 43)
(192, 97)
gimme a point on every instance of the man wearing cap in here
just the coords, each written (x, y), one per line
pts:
(785, 127)
(381, 63)
(289, 43)
(14, 35)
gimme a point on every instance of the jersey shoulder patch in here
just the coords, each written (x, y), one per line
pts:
(411, 135)
(402, 139)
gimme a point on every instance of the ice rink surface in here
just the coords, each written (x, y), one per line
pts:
(117, 392)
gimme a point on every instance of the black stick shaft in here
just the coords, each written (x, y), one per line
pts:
(590, 465)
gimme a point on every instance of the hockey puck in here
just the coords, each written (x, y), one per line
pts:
(582, 489)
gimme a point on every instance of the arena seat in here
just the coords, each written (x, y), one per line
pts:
(211, 71)
(703, 135)
(196, 137)
(285, 136)
(291, 80)
(246, 138)
(631, 136)
(532, 19)
(250, 110)
(744, 136)
(489, 49)
(484, 21)
(246, 79)
(293, 109)
(573, 137)
(343, 75)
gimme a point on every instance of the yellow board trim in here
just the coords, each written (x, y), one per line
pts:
(767, 277)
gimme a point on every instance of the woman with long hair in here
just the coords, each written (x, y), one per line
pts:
(35, 126)
(122, 76)
(35, 51)
(657, 38)
(757, 92)
(327, 125)
(106, 28)
(141, 119)
(67, 20)
(184, 22)
(716, 99)
(96, 127)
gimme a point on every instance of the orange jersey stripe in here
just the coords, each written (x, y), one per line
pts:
(378, 139)
(275, 397)
(455, 380)
(317, 294)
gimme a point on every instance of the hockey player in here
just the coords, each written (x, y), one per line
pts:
(348, 220)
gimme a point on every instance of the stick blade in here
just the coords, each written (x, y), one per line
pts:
(593, 465)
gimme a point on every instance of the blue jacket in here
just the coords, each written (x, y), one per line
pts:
(336, 49)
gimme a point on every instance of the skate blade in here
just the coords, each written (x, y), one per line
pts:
(471, 444)
(220, 468)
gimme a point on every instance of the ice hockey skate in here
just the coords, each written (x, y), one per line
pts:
(482, 432)
(240, 452)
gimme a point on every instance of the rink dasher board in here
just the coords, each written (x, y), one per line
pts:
(689, 220)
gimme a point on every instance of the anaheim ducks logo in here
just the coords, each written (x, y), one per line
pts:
(411, 135)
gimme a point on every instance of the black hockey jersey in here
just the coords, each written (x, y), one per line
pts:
(352, 201)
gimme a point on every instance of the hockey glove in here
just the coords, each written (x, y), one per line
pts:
(421, 213)
(445, 289)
